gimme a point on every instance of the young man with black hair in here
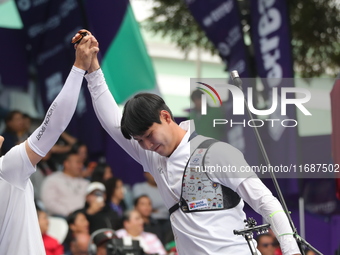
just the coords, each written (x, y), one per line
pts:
(19, 227)
(148, 133)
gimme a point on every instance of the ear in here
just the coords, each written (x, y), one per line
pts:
(165, 115)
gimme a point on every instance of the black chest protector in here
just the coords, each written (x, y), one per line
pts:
(199, 193)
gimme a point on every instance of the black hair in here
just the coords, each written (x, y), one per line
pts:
(110, 186)
(196, 94)
(258, 238)
(135, 202)
(98, 172)
(71, 218)
(127, 215)
(69, 154)
(11, 114)
(9, 117)
(25, 115)
(38, 208)
(141, 112)
(75, 147)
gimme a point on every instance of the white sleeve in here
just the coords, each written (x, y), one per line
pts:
(109, 115)
(15, 166)
(259, 197)
(229, 164)
(58, 115)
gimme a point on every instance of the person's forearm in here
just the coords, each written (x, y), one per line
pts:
(58, 115)
(108, 112)
(58, 149)
(258, 196)
(68, 138)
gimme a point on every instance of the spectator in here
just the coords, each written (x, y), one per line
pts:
(52, 246)
(64, 192)
(14, 127)
(159, 210)
(265, 244)
(97, 212)
(78, 235)
(78, 223)
(310, 252)
(88, 167)
(149, 188)
(101, 173)
(61, 148)
(27, 123)
(276, 243)
(144, 206)
(79, 245)
(133, 228)
(115, 195)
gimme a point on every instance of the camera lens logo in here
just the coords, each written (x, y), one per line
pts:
(212, 94)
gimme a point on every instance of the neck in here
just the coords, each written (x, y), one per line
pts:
(146, 219)
(133, 233)
(179, 133)
(68, 173)
(115, 200)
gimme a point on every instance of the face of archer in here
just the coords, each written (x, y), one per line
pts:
(159, 137)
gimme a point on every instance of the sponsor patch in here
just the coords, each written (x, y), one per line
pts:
(198, 204)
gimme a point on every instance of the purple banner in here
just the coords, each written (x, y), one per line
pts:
(49, 27)
(273, 57)
(220, 19)
(14, 59)
(100, 14)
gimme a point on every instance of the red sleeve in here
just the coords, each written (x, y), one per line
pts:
(59, 250)
(52, 246)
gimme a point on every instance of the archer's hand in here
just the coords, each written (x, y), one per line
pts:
(86, 51)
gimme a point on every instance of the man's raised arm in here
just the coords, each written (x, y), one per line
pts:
(107, 110)
(62, 108)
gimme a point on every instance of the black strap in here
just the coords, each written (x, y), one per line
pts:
(176, 206)
(205, 144)
(193, 135)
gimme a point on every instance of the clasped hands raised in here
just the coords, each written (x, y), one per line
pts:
(87, 48)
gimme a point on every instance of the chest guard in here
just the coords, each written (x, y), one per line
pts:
(199, 193)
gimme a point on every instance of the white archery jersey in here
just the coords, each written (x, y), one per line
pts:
(19, 227)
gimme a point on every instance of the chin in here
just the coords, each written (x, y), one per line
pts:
(162, 153)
